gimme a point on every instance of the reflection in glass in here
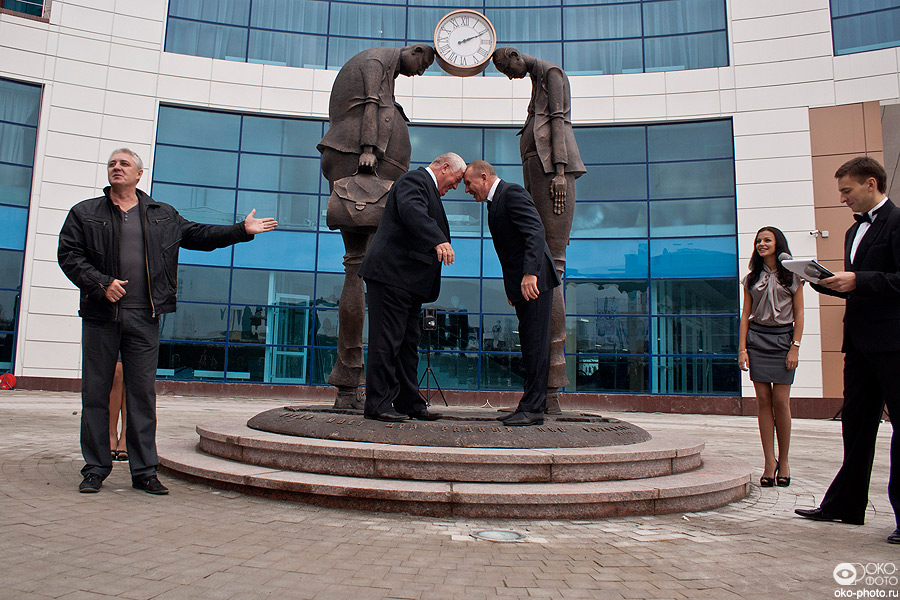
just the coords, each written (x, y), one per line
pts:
(609, 219)
(464, 218)
(500, 333)
(695, 296)
(279, 173)
(260, 287)
(692, 179)
(195, 322)
(182, 165)
(695, 335)
(613, 182)
(606, 297)
(203, 284)
(701, 217)
(190, 361)
(204, 39)
(501, 371)
(695, 375)
(11, 269)
(198, 128)
(292, 211)
(693, 257)
(457, 294)
(279, 136)
(615, 259)
(16, 188)
(608, 334)
(493, 297)
(452, 370)
(609, 373)
(212, 206)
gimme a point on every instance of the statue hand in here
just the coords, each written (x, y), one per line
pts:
(558, 192)
(367, 161)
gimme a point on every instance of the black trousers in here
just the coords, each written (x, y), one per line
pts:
(871, 381)
(136, 335)
(534, 336)
(393, 358)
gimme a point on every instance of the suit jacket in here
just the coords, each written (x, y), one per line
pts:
(872, 314)
(362, 110)
(518, 235)
(402, 252)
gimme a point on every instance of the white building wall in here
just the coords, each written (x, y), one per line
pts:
(105, 74)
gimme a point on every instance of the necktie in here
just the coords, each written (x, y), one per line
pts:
(862, 217)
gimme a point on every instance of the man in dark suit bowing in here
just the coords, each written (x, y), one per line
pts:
(871, 285)
(528, 276)
(402, 270)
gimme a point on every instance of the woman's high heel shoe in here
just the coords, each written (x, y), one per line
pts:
(769, 481)
(781, 481)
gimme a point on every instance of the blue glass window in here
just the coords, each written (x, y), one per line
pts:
(26, 7)
(19, 108)
(651, 294)
(860, 25)
(582, 36)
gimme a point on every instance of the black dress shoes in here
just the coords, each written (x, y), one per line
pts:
(424, 415)
(818, 514)
(151, 485)
(524, 418)
(894, 538)
(389, 416)
(92, 483)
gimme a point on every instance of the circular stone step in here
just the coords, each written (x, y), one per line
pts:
(661, 455)
(717, 482)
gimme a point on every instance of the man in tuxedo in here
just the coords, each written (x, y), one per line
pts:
(528, 278)
(871, 285)
(402, 270)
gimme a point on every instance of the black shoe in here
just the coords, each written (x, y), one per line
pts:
(894, 538)
(424, 415)
(524, 418)
(390, 416)
(817, 514)
(766, 482)
(91, 484)
(151, 485)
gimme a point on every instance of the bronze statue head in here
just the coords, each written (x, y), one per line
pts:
(414, 60)
(510, 62)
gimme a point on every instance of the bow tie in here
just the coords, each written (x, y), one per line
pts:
(862, 217)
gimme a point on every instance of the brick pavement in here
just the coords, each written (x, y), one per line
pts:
(202, 543)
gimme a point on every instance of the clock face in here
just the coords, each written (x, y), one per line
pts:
(465, 41)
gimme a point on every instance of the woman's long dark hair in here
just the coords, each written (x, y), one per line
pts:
(756, 261)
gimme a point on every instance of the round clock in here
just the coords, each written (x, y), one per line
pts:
(464, 41)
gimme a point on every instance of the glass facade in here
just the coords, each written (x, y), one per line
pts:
(860, 25)
(19, 108)
(27, 7)
(582, 36)
(651, 292)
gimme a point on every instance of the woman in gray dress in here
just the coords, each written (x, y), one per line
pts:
(769, 345)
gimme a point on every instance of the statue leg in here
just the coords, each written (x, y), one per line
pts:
(556, 230)
(349, 372)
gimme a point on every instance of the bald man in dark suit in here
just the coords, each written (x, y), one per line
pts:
(528, 278)
(402, 270)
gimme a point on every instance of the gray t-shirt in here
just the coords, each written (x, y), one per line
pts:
(132, 263)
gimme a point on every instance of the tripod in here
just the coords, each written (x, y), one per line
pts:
(427, 377)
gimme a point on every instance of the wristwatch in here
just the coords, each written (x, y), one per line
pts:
(795, 343)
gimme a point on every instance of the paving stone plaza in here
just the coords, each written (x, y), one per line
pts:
(204, 543)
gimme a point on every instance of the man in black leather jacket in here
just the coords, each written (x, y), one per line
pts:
(121, 250)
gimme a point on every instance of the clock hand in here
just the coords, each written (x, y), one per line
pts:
(464, 40)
